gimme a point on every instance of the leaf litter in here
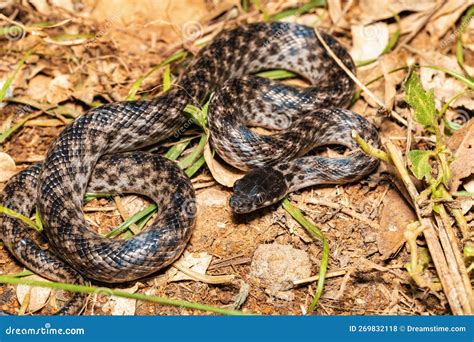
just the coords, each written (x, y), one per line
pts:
(99, 55)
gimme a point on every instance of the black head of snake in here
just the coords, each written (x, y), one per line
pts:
(90, 153)
(259, 188)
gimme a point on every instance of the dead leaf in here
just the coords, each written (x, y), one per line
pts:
(66, 4)
(462, 145)
(212, 197)
(197, 262)
(38, 87)
(45, 122)
(395, 216)
(444, 87)
(391, 80)
(445, 18)
(336, 14)
(59, 89)
(223, 174)
(377, 10)
(119, 306)
(368, 41)
(38, 296)
(7, 167)
(41, 6)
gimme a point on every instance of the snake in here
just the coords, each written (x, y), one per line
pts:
(105, 150)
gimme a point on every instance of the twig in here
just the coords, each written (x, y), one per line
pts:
(332, 274)
(224, 279)
(344, 210)
(451, 248)
(377, 100)
(453, 293)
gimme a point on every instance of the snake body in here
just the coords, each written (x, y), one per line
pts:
(92, 153)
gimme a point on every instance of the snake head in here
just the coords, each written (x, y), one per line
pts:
(259, 188)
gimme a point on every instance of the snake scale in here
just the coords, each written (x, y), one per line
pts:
(95, 153)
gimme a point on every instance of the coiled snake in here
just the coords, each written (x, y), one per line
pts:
(91, 154)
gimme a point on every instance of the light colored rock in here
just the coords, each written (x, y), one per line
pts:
(277, 266)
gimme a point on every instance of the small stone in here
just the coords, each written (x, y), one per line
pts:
(277, 266)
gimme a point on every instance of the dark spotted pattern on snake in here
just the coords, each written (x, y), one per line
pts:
(91, 153)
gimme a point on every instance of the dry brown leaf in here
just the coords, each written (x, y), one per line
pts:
(412, 22)
(223, 174)
(377, 10)
(160, 15)
(368, 41)
(462, 144)
(38, 296)
(335, 13)
(444, 87)
(66, 4)
(59, 89)
(45, 122)
(391, 80)
(395, 216)
(38, 88)
(119, 306)
(445, 18)
(197, 262)
(41, 6)
(7, 167)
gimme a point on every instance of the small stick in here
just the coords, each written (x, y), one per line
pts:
(349, 73)
(430, 232)
(344, 210)
(203, 277)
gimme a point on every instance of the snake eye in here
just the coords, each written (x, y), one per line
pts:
(259, 199)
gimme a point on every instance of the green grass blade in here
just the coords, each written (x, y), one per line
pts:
(277, 74)
(195, 154)
(137, 84)
(38, 221)
(245, 5)
(167, 78)
(258, 5)
(176, 150)
(10, 78)
(131, 220)
(467, 81)
(4, 136)
(89, 196)
(24, 219)
(190, 171)
(312, 229)
(24, 273)
(459, 47)
(392, 41)
(299, 10)
(118, 293)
